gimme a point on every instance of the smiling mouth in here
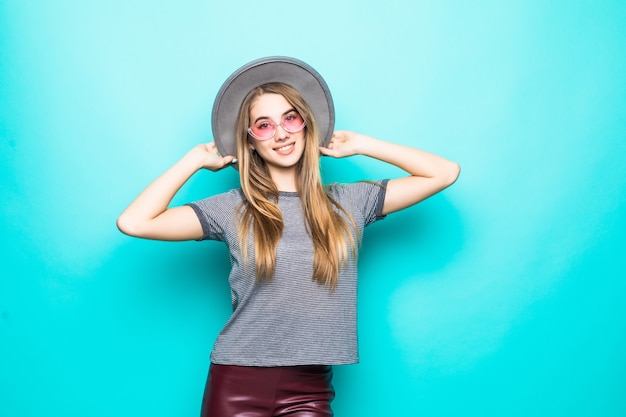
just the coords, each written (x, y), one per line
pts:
(285, 148)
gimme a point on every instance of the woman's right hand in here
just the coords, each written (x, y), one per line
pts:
(208, 157)
(149, 216)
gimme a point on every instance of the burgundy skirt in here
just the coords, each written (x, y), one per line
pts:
(250, 391)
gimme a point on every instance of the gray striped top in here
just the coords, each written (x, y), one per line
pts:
(291, 319)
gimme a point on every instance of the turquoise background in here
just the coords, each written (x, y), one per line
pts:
(502, 296)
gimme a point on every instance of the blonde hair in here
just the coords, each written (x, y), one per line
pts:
(331, 233)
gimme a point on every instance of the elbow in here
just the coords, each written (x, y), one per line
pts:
(122, 224)
(452, 173)
(126, 226)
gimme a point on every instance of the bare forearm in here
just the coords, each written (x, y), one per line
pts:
(156, 197)
(428, 173)
(149, 216)
(414, 161)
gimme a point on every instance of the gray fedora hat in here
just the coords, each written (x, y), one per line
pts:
(299, 75)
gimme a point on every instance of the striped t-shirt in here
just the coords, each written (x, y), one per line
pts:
(290, 319)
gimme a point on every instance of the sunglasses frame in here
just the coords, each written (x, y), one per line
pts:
(275, 126)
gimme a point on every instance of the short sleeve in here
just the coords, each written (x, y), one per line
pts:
(217, 214)
(363, 199)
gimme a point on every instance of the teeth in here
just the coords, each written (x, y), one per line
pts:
(284, 148)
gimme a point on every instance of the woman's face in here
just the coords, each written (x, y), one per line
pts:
(284, 149)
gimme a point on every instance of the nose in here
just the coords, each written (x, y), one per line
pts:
(281, 133)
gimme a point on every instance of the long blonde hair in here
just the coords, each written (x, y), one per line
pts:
(331, 234)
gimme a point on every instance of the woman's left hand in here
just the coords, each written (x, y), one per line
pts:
(342, 144)
(428, 173)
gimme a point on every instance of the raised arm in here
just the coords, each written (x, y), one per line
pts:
(429, 173)
(149, 217)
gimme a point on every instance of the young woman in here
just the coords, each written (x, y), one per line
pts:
(293, 242)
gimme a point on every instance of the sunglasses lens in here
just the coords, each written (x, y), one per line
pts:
(263, 130)
(293, 122)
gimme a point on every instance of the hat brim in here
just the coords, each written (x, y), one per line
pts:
(293, 72)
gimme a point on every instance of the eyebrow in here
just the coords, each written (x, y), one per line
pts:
(267, 117)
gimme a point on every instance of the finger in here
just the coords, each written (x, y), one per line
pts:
(229, 159)
(327, 151)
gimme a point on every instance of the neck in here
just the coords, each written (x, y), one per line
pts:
(284, 178)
